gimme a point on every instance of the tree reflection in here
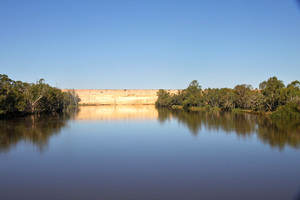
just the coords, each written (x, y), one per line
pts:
(210, 120)
(34, 129)
(277, 134)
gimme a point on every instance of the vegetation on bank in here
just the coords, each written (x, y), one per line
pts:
(17, 97)
(272, 97)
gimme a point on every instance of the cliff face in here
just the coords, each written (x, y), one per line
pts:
(118, 97)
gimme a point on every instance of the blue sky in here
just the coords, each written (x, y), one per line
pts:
(142, 44)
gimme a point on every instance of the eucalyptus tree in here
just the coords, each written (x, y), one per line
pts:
(164, 98)
(290, 102)
(226, 100)
(270, 89)
(7, 96)
(242, 96)
(72, 97)
(192, 95)
(211, 97)
(20, 97)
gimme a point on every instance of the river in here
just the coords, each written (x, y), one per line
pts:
(140, 152)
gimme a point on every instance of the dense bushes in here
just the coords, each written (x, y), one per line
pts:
(20, 97)
(291, 110)
(164, 99)
(272, 96)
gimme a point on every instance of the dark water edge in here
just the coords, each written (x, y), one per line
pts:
(144, 153)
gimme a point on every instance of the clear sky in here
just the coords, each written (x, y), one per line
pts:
(150, 44)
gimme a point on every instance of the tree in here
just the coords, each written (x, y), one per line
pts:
(256, 100)
(288, 111)
(293, 91)
(226, 100)
(211, 96)
(20, 97)
(164, 98)
(72, 97)
(192, 95)
(242, 96)
(34, 93)
(271, 93)
(7, 97)
(295, 85)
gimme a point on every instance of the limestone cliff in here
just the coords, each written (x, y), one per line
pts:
(118, 97)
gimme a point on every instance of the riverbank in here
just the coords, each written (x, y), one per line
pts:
(235, 110)
(272, 99)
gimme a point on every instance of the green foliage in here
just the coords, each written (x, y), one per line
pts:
(72, 97)
(273, 96)
(255, 99)
(219, 98)
(191, 96)
(177, 99)
(242, 95)
(272, 93)
(295, 85)
(211, 97)
(288, 111)
(164, 99)
(20, 97)
(226, 101)
(7, 95)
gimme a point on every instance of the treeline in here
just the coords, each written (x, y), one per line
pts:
(17, 97)
(272, 96)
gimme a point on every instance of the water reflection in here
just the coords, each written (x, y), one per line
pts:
(277, 134)
(118, 112)
(33, 129)
(241, 124)
(106, 148)
(37, 130)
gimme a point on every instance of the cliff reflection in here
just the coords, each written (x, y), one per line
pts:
(276, 134)
(36, 130)
(118, 112)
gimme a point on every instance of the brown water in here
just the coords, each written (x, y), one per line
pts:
(128, 152)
